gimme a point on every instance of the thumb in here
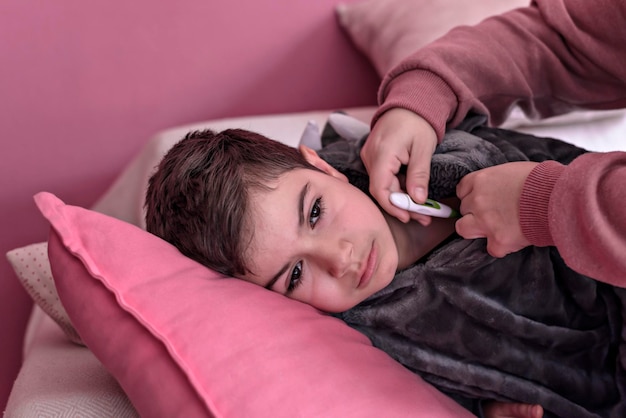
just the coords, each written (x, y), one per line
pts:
(418, 174)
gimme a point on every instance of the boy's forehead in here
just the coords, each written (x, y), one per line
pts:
(272, 213)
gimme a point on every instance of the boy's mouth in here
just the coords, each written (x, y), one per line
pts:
(370, 265)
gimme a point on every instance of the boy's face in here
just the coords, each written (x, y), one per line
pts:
(320, 240)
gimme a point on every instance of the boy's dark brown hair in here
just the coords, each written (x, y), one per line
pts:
(198, 198)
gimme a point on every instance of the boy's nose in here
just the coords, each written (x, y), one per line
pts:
(338, 258)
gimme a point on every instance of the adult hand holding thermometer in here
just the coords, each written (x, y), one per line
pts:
(430, 207)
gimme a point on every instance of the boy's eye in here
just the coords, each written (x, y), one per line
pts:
(296, 277)
(316, 212)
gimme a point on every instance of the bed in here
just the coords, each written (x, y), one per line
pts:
(60, 377)
(158, 350)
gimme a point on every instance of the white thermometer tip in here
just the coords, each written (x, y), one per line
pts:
(430, 207)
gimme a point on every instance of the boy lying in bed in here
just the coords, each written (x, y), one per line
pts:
(524, 330)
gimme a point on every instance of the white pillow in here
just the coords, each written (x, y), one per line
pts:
(386, 31)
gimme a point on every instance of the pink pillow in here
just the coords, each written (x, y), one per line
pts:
(386, 31)
(183, 341)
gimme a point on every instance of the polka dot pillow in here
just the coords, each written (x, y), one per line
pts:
(32, 267)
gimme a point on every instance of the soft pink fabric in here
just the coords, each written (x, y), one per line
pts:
(591, 192)
(386, 31)
(518, 58)
(183, 341)
(550, 58)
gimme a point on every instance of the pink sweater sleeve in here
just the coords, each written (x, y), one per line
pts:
(580, 208)
(549, 58)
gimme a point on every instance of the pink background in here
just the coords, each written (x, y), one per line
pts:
(83, 85)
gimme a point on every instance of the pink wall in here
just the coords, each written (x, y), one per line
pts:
(84, 84)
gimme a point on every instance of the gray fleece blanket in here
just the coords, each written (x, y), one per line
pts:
(522, 328)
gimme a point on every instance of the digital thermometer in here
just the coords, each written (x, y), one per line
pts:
(430, 207)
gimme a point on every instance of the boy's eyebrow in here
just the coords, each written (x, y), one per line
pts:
(276, 277)
(303, 194)
(301, 198)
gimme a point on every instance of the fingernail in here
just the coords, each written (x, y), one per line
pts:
(420, 194)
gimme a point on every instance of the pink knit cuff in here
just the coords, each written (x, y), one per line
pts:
(421, 92)
(534, 206)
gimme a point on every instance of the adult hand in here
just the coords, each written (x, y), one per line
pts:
(400, 137)
(490, 206)
(512, 410)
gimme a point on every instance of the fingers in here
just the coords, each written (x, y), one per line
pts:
(417, 178)
(468, 227)
(383, 172)
(400, 137)
(425, 220)
(499, 250)
(490, 206)
(512, 410)
(418, 172)
(465, 186)
(536, 411)
(418, 168)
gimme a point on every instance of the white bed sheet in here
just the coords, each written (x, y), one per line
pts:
(61, 379)
(600, 131)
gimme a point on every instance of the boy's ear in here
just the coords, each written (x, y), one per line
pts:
(315, 160)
